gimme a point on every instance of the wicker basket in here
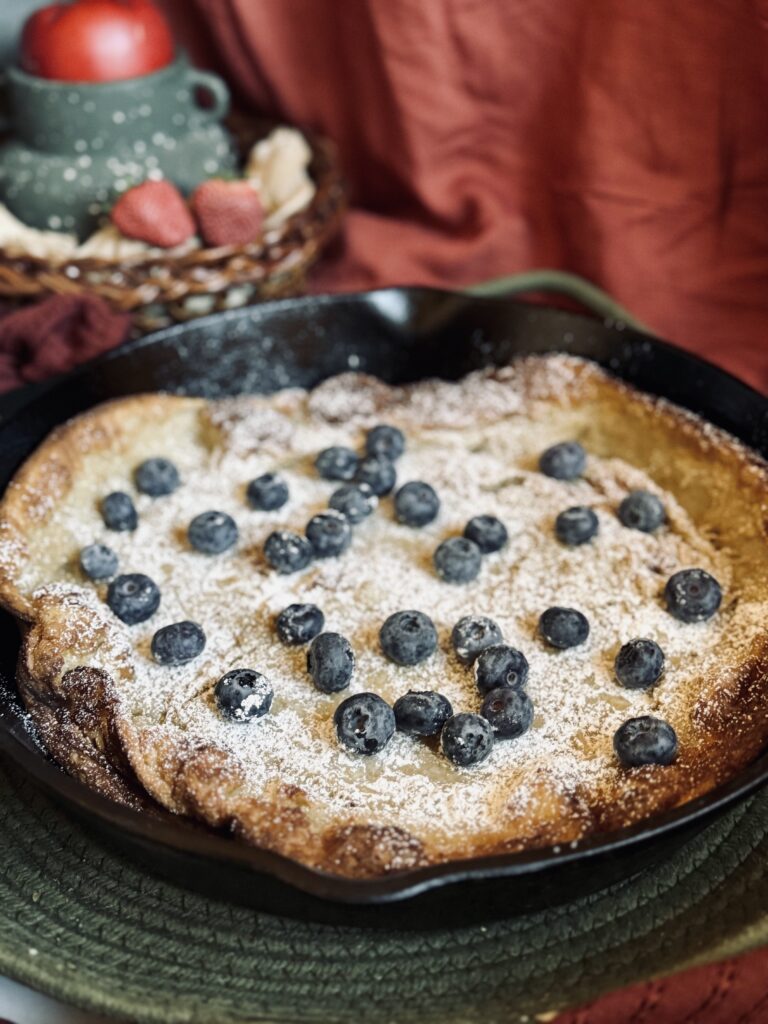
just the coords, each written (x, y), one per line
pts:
(159, 291)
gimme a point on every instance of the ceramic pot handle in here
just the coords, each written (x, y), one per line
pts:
(215, 87)
(560, 282)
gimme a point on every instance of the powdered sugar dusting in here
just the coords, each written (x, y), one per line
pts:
(476, 443)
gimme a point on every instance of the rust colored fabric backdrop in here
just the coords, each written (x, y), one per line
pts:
(627, 142)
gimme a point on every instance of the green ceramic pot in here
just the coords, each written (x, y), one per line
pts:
(72, 147)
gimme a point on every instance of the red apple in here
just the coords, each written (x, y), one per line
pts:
(96, 40)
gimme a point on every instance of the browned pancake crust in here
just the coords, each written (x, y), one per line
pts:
(75, 706)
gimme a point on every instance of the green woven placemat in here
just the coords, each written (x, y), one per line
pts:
(90, 927)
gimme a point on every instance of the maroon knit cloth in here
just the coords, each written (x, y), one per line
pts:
(730, 992)
(54, 335)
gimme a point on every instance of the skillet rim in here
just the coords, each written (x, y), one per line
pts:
(185, 839)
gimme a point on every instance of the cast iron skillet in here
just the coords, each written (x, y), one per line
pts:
(400, 334)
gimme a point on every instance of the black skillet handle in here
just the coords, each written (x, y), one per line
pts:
(560, 282)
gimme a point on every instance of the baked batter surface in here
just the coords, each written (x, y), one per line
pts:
(144, 732)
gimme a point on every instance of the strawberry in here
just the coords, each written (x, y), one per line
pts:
(227, 212)
(154, 212)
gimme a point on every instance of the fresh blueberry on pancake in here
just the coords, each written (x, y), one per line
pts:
(364, 723)
(156, 477)
(385, 440)
(645, 740)
(212, 532)
(501, 666)
(337, 463)
(472, 634)
(508, 712)
(466, 739)
(643, 511)
(576, 526)
(422, 712)
(330, 662)
(133, 598)
(408, 637)
(488, 532)
(355, 501)
(119, 512)
(693, 595)
(639, 664)
(287, 551)
(267, 492)
(299, 623)
(178, 643)
(98, 562)
(457, 560)
(564, 461)
(564, 627)
(329, 533)
(416, 504)
(243, 694)
(378, 472)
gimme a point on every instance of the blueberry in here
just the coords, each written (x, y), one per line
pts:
(457, 560)
(133, 598)
(642, 511)
(473, 634)
(330, 662)
(692, 595)
(576, 525)
(212, 532)
(639, 664)
(337, 463)
(564, 461)
(178, 643)
(408, 637)
(416, 504)
(287, 551)
(299, 623)
(466, 739)
(98, 562)
(329, 533)
(156, 477)
(243, 694)
(385, 440)
(509, 712)
(488, 532)
(563, 627)
(378, 472)
(645, 740)
(119, 512)
(354, 501)
(267, 492)
(422, 713)
(500, 667)
(364, 723)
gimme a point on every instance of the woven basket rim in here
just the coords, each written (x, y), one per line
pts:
(329, 180)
